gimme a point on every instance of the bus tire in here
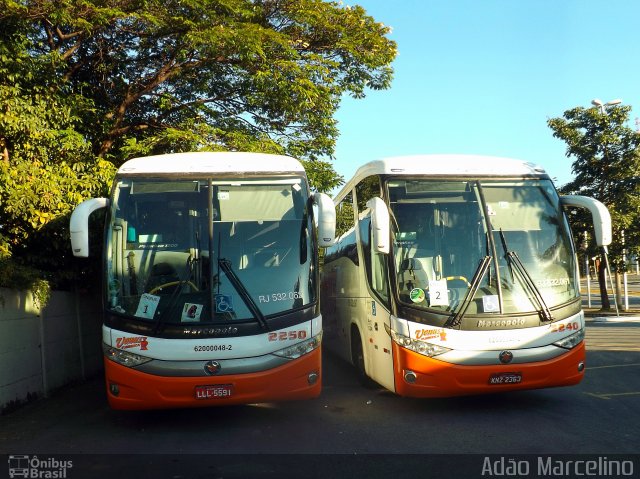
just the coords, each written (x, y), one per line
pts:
(357, 358)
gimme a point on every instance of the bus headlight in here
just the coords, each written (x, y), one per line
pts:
(572, 341)
(420, 347)
(300, 349)
(125, 358)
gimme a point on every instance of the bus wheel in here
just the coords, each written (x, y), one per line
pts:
(357, 357)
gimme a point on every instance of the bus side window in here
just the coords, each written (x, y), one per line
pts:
(344, 215)
(375, 263)
(367, 189)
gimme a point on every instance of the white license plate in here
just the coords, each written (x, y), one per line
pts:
(214, 391)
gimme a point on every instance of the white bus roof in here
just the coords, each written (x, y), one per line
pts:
(206, 162)
(468, 166)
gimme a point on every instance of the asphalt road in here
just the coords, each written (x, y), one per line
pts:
(348, 428)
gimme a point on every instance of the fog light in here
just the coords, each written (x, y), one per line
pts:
(114, 389)
(312, 378)
(581, 366)
(410, 377)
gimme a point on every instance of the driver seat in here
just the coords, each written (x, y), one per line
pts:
(161, 273)
(416, 272)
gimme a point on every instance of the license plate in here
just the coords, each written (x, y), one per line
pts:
(214, 391)
(505, 378)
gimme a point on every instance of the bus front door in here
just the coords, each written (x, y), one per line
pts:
(378, 343)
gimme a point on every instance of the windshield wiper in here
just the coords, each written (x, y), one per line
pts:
(303, 232)
(514, 263)
(225, 265)
(481, 270)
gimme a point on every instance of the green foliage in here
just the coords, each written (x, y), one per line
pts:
(24, 278)
(344, 218)
(46, 166)
(234, 74)
(606, 165)
(321, 175)
(86, 85)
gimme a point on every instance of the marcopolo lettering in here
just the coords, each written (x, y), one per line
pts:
(501, 323)
(210, 331)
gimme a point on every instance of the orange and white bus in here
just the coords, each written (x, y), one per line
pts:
(456, 275)
(211, 287)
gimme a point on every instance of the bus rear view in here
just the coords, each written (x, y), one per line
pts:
(210, 280)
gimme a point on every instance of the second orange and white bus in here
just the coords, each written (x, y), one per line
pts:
(456, 275)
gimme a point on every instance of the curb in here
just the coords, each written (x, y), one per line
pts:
(613, 319)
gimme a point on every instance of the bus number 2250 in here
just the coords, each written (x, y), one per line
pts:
(287, 335)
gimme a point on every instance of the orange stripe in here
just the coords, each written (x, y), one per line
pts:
(440, 379)
(145, 391)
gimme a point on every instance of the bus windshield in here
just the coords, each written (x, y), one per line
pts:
(192, 251)
(443, 230)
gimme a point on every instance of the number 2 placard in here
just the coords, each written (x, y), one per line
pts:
(438, 293)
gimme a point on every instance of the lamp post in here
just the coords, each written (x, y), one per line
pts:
(603, 109)
(624, 274)
(584, 246)
(597, 102)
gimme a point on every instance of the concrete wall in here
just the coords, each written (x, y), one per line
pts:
(44, 349)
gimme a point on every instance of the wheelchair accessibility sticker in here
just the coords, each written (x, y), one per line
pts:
(224, 303)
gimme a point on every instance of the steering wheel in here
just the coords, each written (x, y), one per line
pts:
(173, 283)
(458, 278)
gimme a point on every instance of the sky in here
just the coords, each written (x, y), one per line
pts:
(484, 76)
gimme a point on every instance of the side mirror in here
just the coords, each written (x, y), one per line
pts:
(326, 219)
(599, 213)
(380, 225)
(79, 225)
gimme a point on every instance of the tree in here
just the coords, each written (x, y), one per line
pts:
(86, 85)
(46, 165)
(606, 166)
(234, 74)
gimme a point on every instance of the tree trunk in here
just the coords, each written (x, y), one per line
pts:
(4, 153)
(604, 297)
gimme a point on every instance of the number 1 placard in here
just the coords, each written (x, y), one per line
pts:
(147, 306)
